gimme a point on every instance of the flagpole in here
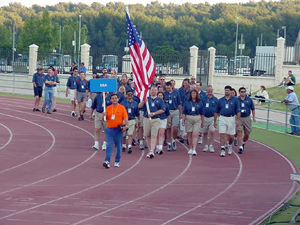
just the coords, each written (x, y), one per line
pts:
(104, 106)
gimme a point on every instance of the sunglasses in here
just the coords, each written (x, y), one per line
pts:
(129, 94)
(242, 91)
(162, 79)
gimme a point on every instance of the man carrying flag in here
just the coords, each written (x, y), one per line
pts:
(143, 68)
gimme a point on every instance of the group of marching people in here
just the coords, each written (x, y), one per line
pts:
(188, 114)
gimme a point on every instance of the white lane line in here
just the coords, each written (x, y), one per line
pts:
(216, 196)
(66, 214)
(141, 197)
(76, 193)
(39, 221)
(131, 218)
(10, 136)
(31, 160)
(292, 191)
(205, 223)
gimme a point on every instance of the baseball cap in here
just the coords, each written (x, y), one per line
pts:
(290, 88)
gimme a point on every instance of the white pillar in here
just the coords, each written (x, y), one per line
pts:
(85, 56)
(33, 53)
(193, 60)
(212, 59)
(279, 54)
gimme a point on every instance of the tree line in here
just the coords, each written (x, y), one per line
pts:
(165, 28)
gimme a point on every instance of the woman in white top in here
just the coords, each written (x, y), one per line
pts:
(262, 94)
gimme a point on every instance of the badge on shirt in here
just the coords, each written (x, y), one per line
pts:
(170, 101)
(129, 110)
(152, 104)
(113, 117)
(193, 109)
(207, 105)
(82, 86)
(226, 106)
(243, 104)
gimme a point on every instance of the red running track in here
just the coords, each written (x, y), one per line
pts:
(50, 175)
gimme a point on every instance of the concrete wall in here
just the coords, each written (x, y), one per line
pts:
(294, 69)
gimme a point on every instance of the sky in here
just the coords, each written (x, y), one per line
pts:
(89, 2)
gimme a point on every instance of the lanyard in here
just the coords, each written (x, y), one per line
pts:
(115, 110)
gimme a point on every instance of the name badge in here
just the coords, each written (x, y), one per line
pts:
(113, 117)
(226, 106)
(193, 109)
(129, 110)
(82, 86)
(207, 105)
(170, 101)
(152, 104)
(243, 104)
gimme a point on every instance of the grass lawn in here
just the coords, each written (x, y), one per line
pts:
(31, 97)
(289, 146)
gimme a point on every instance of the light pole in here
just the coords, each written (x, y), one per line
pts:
(236, 40)
(284, 28)
(79, 36)
(14, 42)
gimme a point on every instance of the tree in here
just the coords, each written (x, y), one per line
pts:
(112, 44)
(5, 34)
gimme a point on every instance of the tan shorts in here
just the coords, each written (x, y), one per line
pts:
(131, 126)
(55, 92)
(227, 125)
(174, 117)
(163, 123)
(141, 122)
(151, 127)
(99, 123)
(192, 123)
(72, 94)
(245, 124)
(208, 125)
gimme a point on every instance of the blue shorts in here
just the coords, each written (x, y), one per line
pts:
(38, 91)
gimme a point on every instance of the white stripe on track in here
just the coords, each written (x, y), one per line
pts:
(10, 136)
(31, 160)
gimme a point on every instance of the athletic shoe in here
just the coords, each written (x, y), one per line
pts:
(169, 147)
(174, 146)
(34, 109)
(190, 151)
(43, 110)
(37, 110)
(133, 142)
(241, 150)
(81, 116)
(146, 146)
(243, 146)
(103, 147)
(129, 150)
(156, 150)
(117, 164)
(96, 147)
(54, 110)
(194, 152)
(48, 112)
(230, 150)
(123, 149)
(235, 142)
(106, 164)
(199, 139)
(211, 149)
(141, 147)
(161, 152)
(223, 153)
(150, 154)
(73, 114)
(181, 140)
(205, 149)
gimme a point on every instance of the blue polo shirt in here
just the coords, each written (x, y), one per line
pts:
(131, 108)
(166, 113)
(292, 97)
(98, 103)
(209, 105)
(246, 106)
(154, 105)
(120, 96)
(38, 79)
(49, 78)
(202, 94)
(173, 99)
(83, 69)
(228, 107)
(56, 80)
(71, 83)
(192, 108)
(184, 95)
(81, 85)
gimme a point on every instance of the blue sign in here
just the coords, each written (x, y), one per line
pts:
(103, 85)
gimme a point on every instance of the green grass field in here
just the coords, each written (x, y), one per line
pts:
(31, 97)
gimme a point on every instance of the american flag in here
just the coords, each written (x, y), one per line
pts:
(142, 63)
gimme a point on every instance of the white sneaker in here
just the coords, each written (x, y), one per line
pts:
(190, 152)
(223, 153)
(157, 150)
(211, 149)
(104, 146)
(174, 146)
(106, 164)
(199, 139)
(73, 113)
(230, 150)
(194, 152)
(96, 147)
(117, 164)
(150, 154)
(205, 149)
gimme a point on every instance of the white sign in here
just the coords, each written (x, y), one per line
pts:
(241, 46)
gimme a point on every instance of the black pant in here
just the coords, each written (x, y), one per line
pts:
(260, 98)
